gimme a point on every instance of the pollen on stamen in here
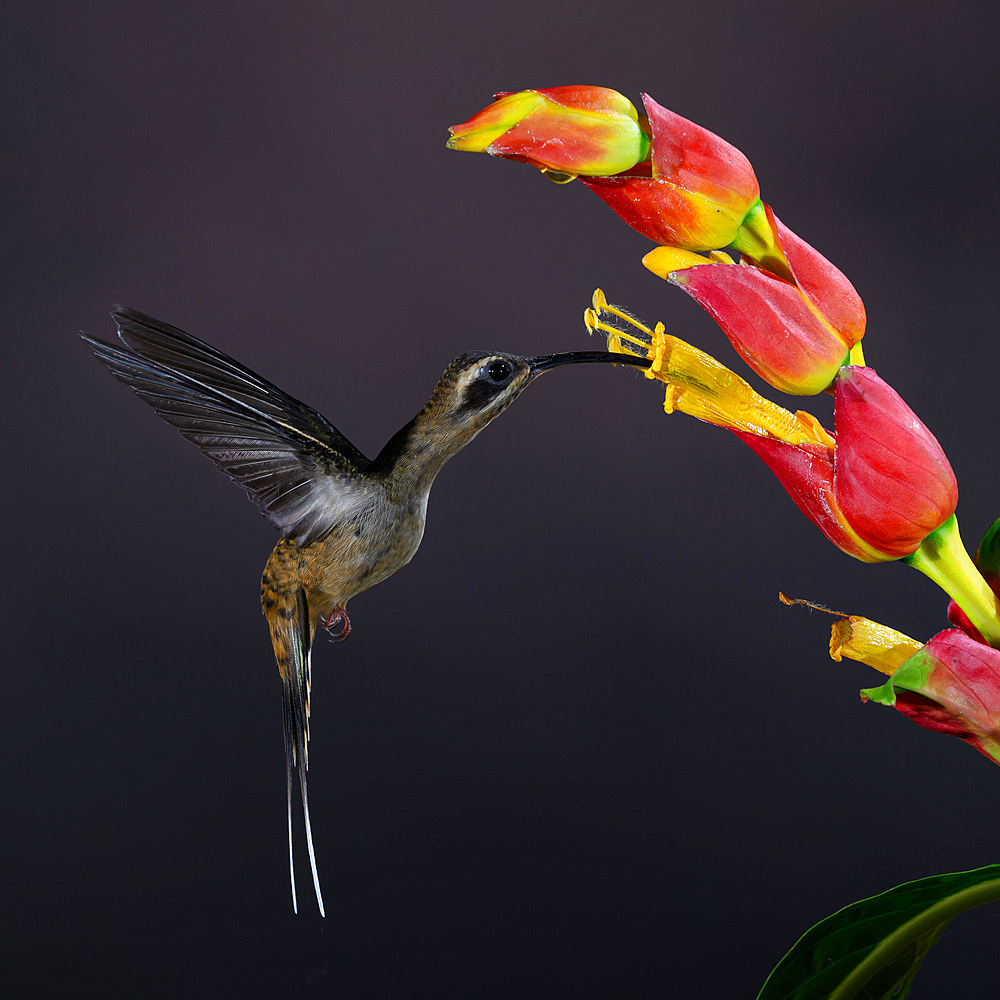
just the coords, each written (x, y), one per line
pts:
(618, 340)
(601, 304)
(614, 336)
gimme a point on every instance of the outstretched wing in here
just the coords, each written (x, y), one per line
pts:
(300, 472)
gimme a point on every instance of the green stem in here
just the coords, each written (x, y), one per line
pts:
(758, 241)
(912, 931)
(943, 558)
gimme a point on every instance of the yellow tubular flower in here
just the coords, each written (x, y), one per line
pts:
(700, 386)
(868, 642)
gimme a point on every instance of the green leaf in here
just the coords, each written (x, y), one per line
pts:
(988, 554)
(873, 948)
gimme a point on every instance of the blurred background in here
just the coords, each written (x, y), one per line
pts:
(577, 747)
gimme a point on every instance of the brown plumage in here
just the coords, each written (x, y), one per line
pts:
(346, 522)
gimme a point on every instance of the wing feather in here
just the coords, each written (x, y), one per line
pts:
(299, 471)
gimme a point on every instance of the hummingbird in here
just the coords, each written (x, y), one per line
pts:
(346, 522)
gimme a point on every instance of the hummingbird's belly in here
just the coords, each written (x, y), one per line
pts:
(364, 551)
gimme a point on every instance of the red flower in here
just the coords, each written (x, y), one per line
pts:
(696, 191)
(951, 686)
(882, 486)
(566, 130)
(891, 477)
(877, 487)
(670, 179)
(794, 330)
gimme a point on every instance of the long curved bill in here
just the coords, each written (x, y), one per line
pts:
(544, 362)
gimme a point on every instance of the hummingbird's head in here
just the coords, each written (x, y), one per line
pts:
(479, 385)
(474, 389)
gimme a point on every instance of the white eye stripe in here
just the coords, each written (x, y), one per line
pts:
(466, 378)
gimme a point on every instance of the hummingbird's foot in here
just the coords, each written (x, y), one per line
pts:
(337, 617)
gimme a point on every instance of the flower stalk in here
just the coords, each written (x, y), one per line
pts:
(943, 558)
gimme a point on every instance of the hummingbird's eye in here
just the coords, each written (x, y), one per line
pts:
(499, 370)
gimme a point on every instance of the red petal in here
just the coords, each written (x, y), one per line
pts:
(806, 473)
(968, 672)
(573, 130)
(825, 286)
(699, 161)
(769, 323)
(599, 99)
(892, 480)
(555, 140)
(961, 620)
(665, 213)
(961, 694)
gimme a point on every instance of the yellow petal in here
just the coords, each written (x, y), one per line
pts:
(697, 384)
(493, 121)
(663, 261)
(705, 388)
(866, 641)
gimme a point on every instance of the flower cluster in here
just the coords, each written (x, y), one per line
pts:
(951, 684)
(792, 316)
(879, 486)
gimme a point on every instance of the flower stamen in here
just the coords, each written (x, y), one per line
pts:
(699, 385)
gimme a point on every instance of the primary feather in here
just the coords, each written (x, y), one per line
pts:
(299, 471)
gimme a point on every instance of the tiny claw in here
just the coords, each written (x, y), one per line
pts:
(338, 616)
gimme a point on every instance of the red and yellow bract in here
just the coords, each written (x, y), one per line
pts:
(949, 685)
(876, 487)
(567, 130)
(796, 330)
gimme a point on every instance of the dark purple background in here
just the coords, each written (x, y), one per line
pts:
(577, 748)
